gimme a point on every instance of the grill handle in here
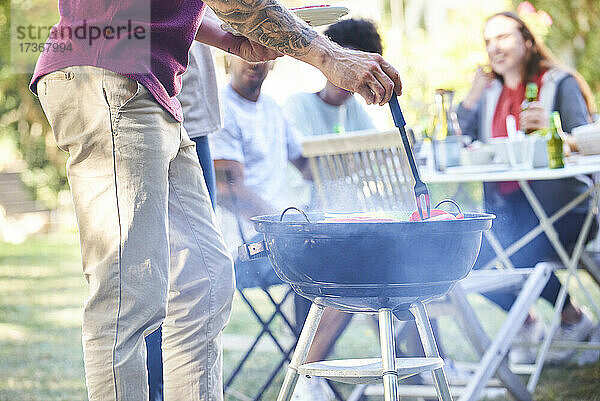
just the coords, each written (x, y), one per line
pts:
(296, 209)
(252, 251)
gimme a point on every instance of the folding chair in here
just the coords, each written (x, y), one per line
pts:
(360, 171)
(368, 171)
(284, 351)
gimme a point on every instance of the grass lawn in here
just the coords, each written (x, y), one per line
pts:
(42, 292)
(41, 296)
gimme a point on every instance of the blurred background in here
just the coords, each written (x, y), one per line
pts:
(433, 43)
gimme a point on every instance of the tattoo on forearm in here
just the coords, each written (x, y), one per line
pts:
(267, 22)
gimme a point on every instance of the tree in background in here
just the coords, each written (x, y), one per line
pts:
(575, 36)
(435, 44)
(23, 126)
(438, 44)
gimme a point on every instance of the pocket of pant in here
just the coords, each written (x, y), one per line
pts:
(63, 75)
(130, 98)
(54, 105)
(119, 91)
(60, 75)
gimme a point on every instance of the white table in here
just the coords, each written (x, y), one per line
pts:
(494, 173)
(581, 166)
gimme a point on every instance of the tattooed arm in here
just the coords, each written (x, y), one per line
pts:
(210, 33)
(270, 24)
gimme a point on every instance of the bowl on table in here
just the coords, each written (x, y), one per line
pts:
(529, 152)
(500, 147)
(475, 156)
(587, 138)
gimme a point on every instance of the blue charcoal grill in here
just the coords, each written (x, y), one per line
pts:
(388, 268)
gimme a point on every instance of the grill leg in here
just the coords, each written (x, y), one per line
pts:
(431, 350)
(301, 352)
(388, 355)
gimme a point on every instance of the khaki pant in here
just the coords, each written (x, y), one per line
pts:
(150, 247)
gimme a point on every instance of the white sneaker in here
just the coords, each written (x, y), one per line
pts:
(591, 355)
(312, 389)
(528, 333)
(571, 332)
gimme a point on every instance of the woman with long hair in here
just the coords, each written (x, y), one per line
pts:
(516, 58)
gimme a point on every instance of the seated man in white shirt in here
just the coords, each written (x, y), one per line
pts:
(332, 109)
(250, 155)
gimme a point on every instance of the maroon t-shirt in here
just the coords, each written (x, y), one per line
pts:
(146, 40)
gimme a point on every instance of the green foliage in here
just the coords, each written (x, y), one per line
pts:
(437, 46)
(574, 36)
(23, 123)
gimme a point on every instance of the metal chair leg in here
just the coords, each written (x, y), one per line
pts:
(431, 350)
(388, 355)
(285, 352)
(482, 343)
(302, 347)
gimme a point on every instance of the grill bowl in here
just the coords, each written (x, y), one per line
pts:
(363, 267)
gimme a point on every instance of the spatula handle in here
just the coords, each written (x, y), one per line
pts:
(400, 123)
(396, 112)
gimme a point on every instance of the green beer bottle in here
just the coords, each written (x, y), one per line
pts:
(555, 143)
(531, 94)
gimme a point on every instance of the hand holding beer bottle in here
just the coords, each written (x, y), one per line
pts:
(527, 117)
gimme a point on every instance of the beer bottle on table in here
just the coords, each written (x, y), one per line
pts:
(441, 117)
(531, 94)
(555, 143)
(440, 133)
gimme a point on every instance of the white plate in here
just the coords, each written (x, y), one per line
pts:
(312, 15)
(581, 159)
(480, 168)
(320, 15)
